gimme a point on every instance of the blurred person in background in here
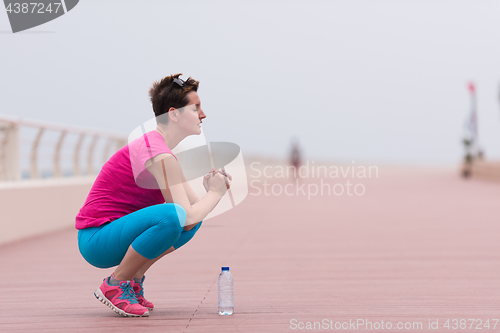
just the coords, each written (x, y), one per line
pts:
(295, 158)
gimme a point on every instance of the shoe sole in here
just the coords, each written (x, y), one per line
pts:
(100, 296)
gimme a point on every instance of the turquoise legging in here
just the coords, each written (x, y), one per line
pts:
(151, 231)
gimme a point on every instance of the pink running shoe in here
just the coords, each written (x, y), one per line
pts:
(121, 299)
(139, 293)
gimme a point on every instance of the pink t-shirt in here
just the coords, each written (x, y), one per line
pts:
(124, 185)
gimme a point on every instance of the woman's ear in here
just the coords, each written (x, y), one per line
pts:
(173, 114)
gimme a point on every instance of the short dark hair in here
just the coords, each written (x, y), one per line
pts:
(166, 94)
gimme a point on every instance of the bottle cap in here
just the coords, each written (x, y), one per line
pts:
(225, 268)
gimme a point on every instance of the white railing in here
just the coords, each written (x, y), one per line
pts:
(62, 143)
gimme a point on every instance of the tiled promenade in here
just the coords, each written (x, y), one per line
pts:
(420, 245)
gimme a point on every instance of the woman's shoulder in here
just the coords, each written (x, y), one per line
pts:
(169, 159)
(151, 142)
(145, 148)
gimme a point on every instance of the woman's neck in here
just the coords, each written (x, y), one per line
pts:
(170, 135)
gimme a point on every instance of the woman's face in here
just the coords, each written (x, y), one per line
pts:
(191, 118)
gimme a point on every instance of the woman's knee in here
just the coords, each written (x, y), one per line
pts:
(173, 217)
(164, 233)
(175, 212)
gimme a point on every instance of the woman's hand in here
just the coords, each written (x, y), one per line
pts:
(227, 176)
(211, 181)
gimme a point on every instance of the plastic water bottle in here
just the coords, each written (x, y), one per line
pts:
(226, 301)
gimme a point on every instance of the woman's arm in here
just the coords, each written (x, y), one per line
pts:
(169, 176)
(192, 196)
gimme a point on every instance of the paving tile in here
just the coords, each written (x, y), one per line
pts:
(420, 245)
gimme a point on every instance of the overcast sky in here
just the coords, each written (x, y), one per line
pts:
(371, 81)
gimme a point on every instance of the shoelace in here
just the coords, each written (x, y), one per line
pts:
(128, 293)
(140, 291)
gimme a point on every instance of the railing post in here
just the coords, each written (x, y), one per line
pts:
(34, 154)
(57, 155)
(105, 153)
(90, 169)
(76, 158)
(120, 143)
(9, 152)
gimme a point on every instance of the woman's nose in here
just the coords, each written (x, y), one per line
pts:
(202, 114)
